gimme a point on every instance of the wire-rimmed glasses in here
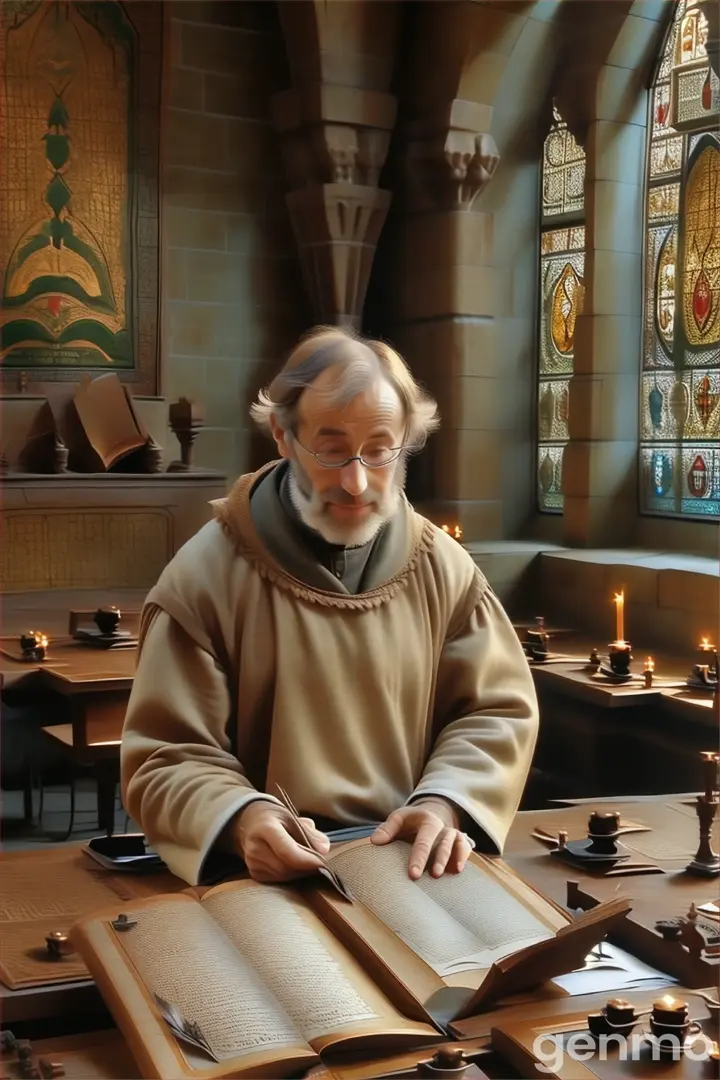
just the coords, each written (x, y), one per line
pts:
(371, 459)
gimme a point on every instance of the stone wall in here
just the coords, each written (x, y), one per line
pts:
(233, 296)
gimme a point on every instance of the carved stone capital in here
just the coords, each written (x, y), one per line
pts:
(337, 227)
(333, 134)
(450, 171)
(335, 140)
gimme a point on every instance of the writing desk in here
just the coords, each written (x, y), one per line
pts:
(523, 853)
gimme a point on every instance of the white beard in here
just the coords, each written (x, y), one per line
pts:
(315, 515)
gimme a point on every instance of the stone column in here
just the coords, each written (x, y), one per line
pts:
(335, 124)
(447, 303)
(600, 463)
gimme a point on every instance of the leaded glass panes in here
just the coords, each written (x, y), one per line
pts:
(680, 385)
(562, 257)
(563, 171)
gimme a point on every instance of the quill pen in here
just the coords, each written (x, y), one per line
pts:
(326, 869)
(185, 1030)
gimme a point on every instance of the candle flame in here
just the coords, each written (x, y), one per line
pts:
(458, 532)
(446, 528)
(649, 664)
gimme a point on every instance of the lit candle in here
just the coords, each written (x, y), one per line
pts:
(620, 620)
(648, 672)
(458, 532)
(710, 762)
(446, 529)
(705, 646)
(670, 1004)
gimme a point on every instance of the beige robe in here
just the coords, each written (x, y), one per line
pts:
(250, 677)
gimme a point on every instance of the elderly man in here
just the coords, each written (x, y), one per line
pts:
(320, 636)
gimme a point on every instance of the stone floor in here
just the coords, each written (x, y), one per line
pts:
(18, 834)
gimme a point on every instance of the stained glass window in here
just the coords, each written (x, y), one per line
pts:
(680, 385)
(562, 258)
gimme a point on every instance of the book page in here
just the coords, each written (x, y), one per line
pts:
(455, 922)
(276, 933)
(107, 418)
(181, 954)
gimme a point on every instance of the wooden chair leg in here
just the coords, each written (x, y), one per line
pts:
(27, 793)
(106, 779)
(67, 835)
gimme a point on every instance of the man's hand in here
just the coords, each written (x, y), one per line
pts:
(433, 824)
(266, 837)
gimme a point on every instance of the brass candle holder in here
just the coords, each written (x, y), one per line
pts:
(670, 1025)
(707, 862)
(705, 671)
(33, 645)
(620, 656)
(617, 1016)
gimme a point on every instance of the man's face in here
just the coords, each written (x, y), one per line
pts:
(345, 505)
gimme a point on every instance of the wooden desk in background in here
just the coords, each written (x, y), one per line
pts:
(81, 691)
(619, 738)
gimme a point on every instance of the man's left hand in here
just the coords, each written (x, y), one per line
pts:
(433, 825)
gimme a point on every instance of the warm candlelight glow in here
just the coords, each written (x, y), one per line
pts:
(458, 532)
(649, 664)
(620, 618)
(44, 641)
(669, 1004)
(619, 1003)
(705, 645)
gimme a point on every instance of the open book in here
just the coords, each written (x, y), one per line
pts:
(109, 418)
(268, 977)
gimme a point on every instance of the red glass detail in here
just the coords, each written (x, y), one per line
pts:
(697, 477)
(704, 400)
(701, 301)
(706, 96)
(661, 113)
(54, 303)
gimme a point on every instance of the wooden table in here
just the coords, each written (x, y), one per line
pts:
(609, 738)
(83, 690)
(522, 852)
(670, 893)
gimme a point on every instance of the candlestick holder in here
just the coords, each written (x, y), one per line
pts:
(33, 646)
(617, 1016)
(601, 848)
(186, 420)
(537, 640)
(671, 1026)
(704, 674)
(618, 667)
(706, 862)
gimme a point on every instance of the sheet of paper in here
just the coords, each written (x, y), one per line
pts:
(613, 970)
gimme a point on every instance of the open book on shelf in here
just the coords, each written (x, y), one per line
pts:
(266, 978)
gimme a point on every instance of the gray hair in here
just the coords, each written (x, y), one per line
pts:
(361, 362)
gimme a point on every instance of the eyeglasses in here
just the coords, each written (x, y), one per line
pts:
(373, 459)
